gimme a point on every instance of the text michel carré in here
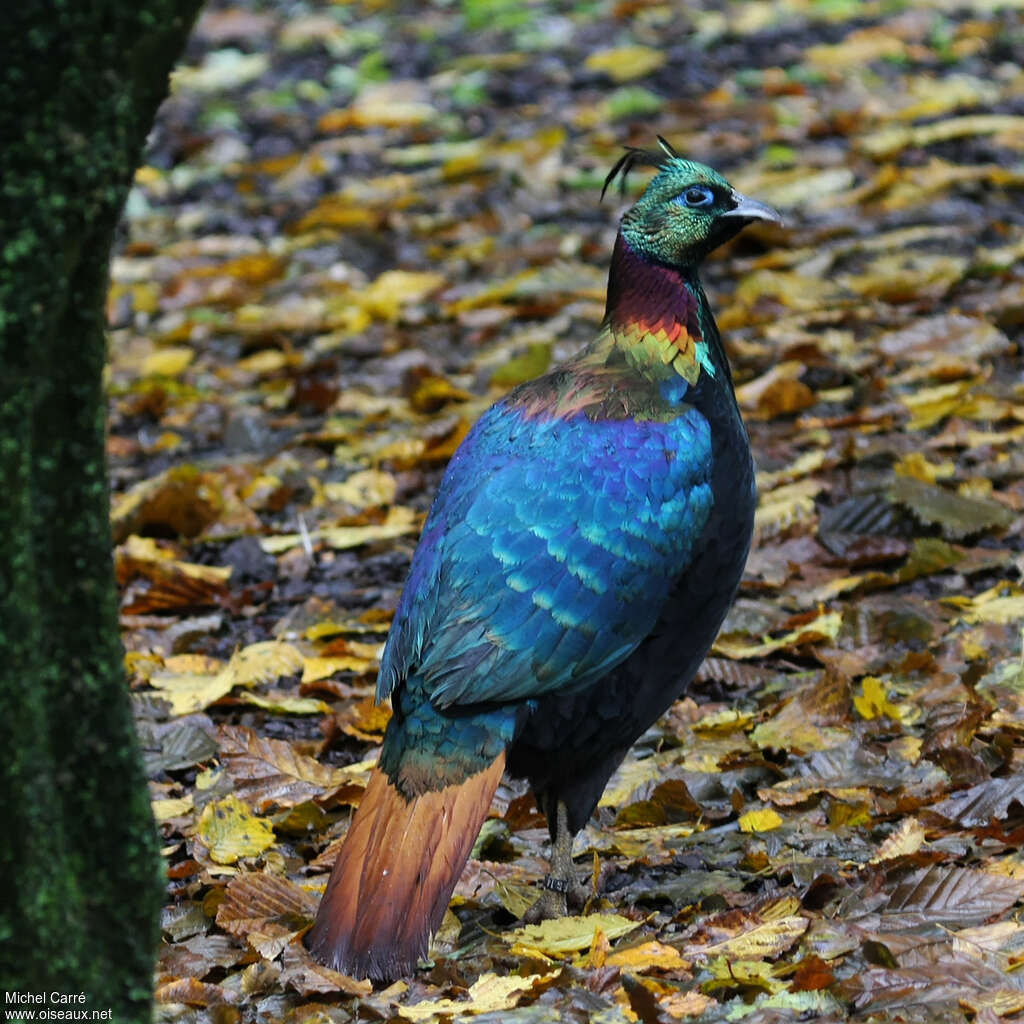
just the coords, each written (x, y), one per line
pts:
(62, 998)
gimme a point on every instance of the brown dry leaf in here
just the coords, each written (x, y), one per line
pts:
(686, 1004)
(951, 896)
(194, 993)
(560, 936)
(268, 773)
(987, 802)
(255, 902)
(490, 993)
(779, 392)
(157, 581)
(230, 830)
(307, 977)
(183, 500)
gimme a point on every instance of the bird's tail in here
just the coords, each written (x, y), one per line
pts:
(395, 874)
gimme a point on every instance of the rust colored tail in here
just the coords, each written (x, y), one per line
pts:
(395, 874)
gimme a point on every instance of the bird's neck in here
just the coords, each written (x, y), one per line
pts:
(658, 319)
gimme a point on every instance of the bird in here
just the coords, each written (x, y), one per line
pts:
(583, 548)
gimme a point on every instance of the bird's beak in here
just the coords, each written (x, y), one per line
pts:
(750, 209)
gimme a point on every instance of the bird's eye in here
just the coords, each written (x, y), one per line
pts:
(697, 195)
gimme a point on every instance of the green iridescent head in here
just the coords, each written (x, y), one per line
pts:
(687, 210)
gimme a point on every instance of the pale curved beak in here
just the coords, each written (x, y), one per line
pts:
(750, 209)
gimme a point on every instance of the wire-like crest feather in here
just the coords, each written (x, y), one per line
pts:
(638, 157)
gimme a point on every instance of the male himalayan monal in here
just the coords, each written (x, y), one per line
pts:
(583, 549)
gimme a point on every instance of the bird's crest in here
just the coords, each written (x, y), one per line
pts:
(638, 157)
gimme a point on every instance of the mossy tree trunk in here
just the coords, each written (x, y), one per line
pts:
(80, 878)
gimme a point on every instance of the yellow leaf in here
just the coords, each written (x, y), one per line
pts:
(624, 63)
(146, 549)
(825, 627)
(786, 506)
(763, 941)
(267, 361)
(324, 668)
(648, 956)
(563, 935)
(364, 489)
(728, 973)
(230, 831)
(174, 807)
(873, 701)
(190, 691)
(400, 521)
(393, 105)
(905, 840)
(930, 405)
(490, 993)
(763, 820)
(385, 297)
(1001, 605)
(167, 362)
(286, 703)
(258, 663)
(915, 465)
(264, 662)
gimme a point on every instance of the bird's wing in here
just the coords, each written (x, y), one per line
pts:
(548, 554)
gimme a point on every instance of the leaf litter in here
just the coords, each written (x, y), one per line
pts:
(355, 229)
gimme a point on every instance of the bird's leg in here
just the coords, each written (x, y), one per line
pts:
(560, 884)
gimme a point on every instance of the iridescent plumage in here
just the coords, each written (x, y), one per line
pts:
(584, 546)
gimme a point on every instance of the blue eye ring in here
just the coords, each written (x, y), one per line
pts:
(696, 196)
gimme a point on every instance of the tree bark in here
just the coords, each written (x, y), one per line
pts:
(80, 873)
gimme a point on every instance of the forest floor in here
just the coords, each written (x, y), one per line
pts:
(358, 224)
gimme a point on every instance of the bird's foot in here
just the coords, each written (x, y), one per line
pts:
(558, 895)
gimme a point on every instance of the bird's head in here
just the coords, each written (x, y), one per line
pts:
(687, 210)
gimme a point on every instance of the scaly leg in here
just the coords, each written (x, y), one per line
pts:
(561, 883)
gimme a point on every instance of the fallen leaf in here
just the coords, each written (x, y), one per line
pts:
(230, 830)
(490, 993)
(563, 935)
(763, 820)
(624, 63)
